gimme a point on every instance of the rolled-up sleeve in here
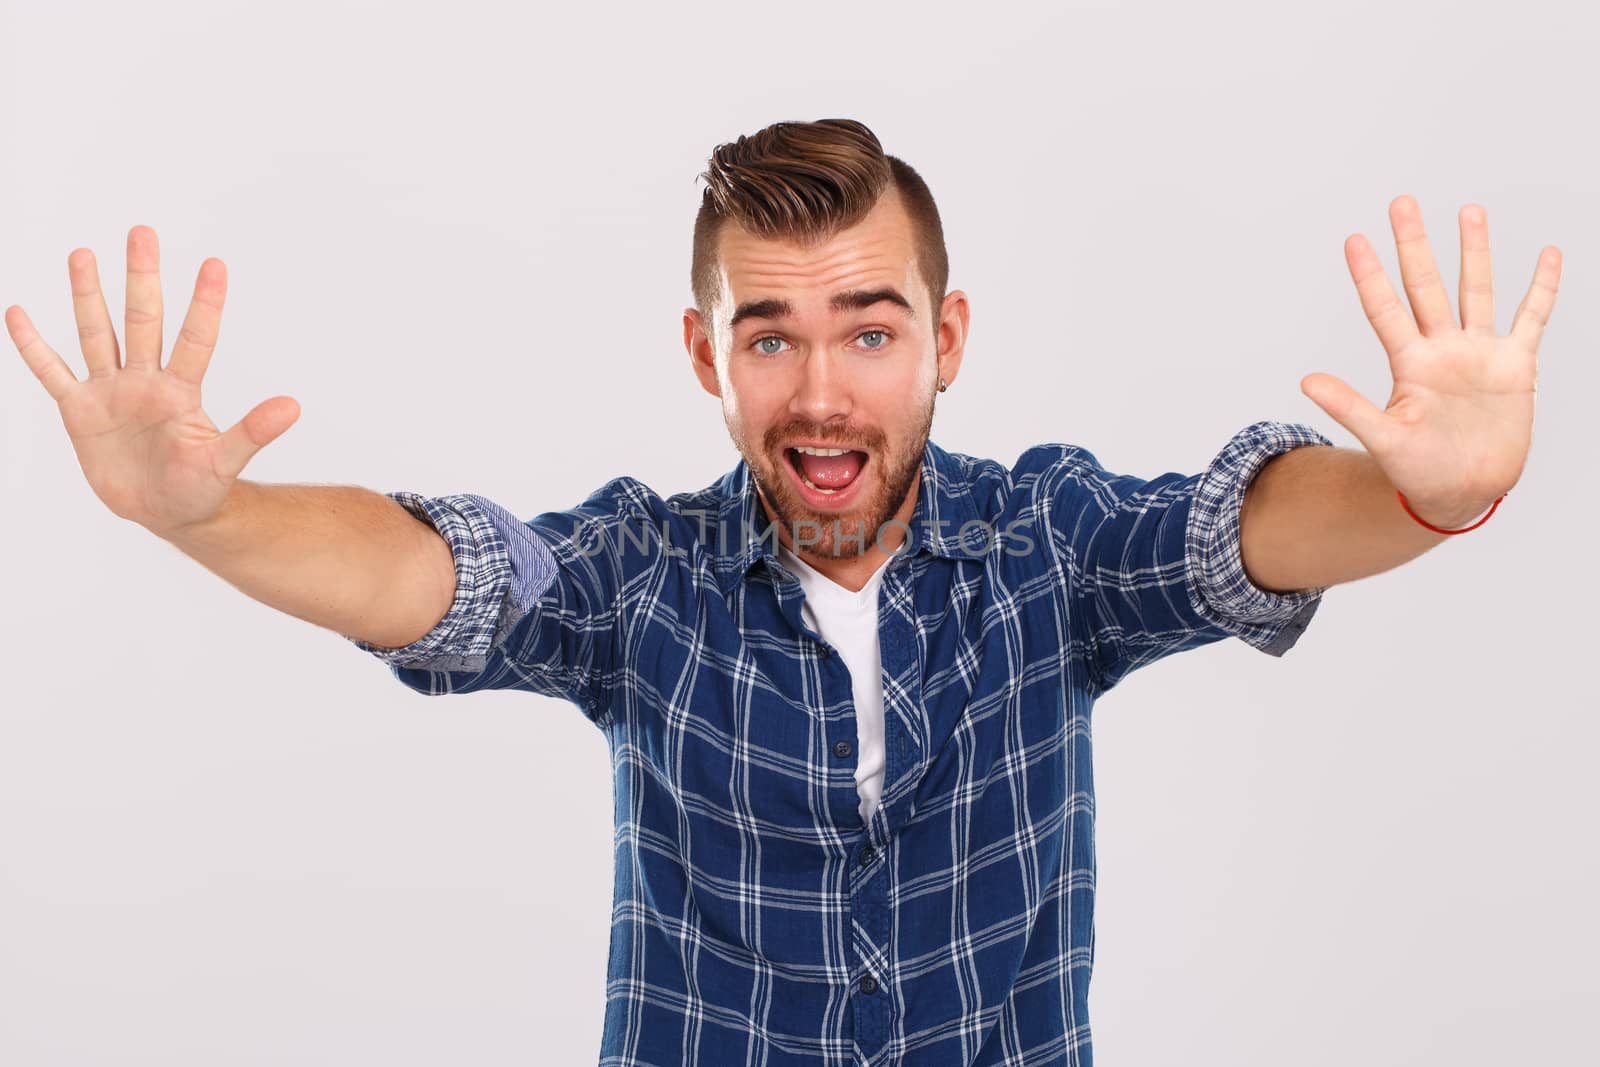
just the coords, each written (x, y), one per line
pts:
(1154, 565)
(502, 568)
(538, 603)
(1220, 590)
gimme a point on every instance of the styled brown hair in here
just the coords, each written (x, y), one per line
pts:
(805, 181)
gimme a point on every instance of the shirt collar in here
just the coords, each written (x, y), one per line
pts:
(944, 505)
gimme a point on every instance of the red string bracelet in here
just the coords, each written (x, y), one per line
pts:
(1464, 529)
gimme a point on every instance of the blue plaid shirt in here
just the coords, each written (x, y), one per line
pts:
(756, 919)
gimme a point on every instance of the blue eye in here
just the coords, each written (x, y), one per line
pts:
(760, 344)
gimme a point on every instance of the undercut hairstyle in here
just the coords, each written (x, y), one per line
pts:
(804, 181)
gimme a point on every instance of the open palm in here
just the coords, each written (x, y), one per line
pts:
(1456, 431)
(147, 448)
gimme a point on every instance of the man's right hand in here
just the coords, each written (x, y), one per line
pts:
(148, 450)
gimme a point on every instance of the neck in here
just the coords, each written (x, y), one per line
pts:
(853, 572)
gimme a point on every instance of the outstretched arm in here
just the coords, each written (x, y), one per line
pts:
(1454, 436)
(342, 557)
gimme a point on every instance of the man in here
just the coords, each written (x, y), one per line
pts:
(847, 685)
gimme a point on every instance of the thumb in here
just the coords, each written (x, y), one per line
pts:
(1347, 407)
(259, 428)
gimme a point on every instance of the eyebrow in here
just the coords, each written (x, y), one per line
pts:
(844, 300)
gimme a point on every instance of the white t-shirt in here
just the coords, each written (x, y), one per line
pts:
(849, 622)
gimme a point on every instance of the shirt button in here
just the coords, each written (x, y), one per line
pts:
(823, 650)
(869, 984)
(867, 856)
(841, 749)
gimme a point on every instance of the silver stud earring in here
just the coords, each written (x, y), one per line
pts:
(942, 385)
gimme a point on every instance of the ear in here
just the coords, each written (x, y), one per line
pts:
(702, 355)
(954, 317)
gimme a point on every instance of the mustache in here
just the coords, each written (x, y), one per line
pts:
(861, 441)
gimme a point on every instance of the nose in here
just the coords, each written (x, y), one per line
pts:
(822, 393)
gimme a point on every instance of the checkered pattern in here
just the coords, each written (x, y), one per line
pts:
(756, 919)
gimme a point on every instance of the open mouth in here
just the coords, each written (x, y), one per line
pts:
(826, 473)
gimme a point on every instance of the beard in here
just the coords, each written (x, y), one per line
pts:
(846, 533)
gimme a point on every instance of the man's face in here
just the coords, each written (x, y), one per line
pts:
(812, 348)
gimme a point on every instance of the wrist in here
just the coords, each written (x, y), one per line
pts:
(212, 530)
(1456, 519)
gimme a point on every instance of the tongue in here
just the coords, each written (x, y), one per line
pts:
(832, 472)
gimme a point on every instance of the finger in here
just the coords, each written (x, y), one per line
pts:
(1384, 309)
(51, 370)
(1348, 408)
(255, 431)
(1527, 326)
(197, 338)
(95, 335)
(142, 319)
(1418, 272)
(1477, 276)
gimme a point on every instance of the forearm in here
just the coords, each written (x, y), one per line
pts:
(1319, 515)
(342, 557)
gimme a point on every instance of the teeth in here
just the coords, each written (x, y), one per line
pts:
(813, 451)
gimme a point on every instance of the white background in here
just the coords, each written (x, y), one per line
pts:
(459, 236)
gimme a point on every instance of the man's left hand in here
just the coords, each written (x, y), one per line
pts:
(1457, 429)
